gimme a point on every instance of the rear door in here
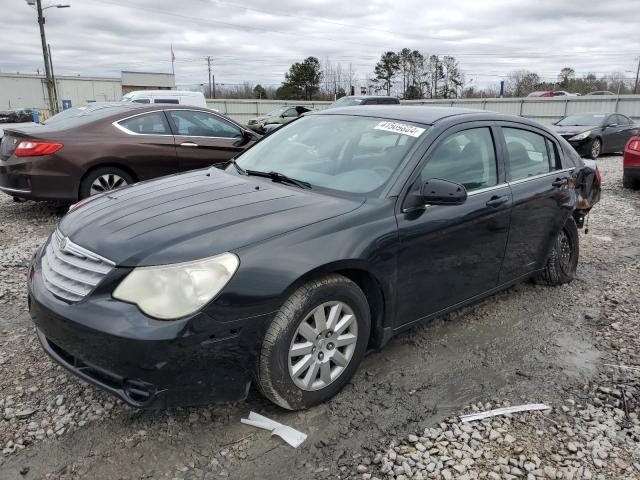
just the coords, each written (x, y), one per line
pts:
(451, 253)
(204, 139)
(541, 200)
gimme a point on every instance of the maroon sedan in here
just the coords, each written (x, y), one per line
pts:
(98, 147)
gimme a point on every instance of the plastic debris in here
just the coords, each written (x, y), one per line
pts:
(504, 411)
(290, 435)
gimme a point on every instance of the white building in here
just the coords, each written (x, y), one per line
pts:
(20, 90)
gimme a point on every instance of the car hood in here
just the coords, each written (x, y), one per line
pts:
(572, 129)
(194, 215)
(260, 119)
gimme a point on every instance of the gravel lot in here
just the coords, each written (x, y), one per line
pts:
(399, 416)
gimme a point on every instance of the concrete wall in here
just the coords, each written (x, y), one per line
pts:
(543, 110)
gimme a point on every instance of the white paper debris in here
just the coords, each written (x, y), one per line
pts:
(504, 411)
(290, 435)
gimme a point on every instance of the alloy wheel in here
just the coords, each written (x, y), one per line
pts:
(564, 250)
(107, 182)
(323, 346)
(595, 148)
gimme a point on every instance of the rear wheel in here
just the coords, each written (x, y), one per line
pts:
(563, 261)
(102, 180)
(315, 343)
(595, 148)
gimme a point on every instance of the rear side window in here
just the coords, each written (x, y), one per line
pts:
(528, 153)
(167, 100)
(153, 123)
(467, 158)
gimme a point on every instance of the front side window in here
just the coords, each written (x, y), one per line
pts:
(466, 157)
(201, 124)
(349, 154)
(141, 100)
(292, 112)
(153, 123)
(528, 153)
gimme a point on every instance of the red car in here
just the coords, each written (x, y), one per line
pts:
(631, 164)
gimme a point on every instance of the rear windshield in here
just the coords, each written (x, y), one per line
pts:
(79, 115)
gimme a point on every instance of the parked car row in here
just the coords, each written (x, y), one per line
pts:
(564, 93)
(315, 245)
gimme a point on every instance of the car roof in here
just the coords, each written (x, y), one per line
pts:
(407, 113)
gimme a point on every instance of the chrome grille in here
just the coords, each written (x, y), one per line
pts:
(70, 271)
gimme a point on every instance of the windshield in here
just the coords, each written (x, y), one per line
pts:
(345, 153)
(277, 112)
(346, 102)
(583, 120)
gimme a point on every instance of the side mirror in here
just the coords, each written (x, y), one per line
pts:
(436, 191)
(442, 192)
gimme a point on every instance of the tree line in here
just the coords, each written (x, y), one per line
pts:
(413, 75)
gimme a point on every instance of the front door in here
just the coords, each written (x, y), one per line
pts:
(204, 139)
(450, 253)
(541, 200)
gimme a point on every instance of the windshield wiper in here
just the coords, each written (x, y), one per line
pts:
(278, 177)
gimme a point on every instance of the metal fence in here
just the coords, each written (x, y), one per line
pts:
(543, 110)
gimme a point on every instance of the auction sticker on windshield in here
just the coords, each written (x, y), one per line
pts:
(402, 128)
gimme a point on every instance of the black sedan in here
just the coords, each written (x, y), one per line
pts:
(316, 245)
(592, 134)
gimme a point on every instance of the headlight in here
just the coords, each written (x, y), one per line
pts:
(173, 291)
(580, 136)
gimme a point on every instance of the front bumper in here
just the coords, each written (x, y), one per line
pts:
(583, 147)
(145, 362)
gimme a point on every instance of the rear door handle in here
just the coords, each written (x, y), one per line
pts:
(188, 144)
(559, 182)
(496, 200)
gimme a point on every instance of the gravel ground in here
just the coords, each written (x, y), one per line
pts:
(399, 416)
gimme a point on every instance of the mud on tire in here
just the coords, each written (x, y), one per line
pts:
(562, 264)
(274, 378)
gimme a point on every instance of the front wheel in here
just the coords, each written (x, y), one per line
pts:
(315, 343)
(595, 149)
(563, 260)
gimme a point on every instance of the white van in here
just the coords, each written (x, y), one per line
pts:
(180, 97)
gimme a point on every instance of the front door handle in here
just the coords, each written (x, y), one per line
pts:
(559, 182)
(496, 200)
(188, 144)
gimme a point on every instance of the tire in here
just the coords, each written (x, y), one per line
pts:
(112, 178)
(595, 148)
(631, 183)
(278, 379)
(562, 264)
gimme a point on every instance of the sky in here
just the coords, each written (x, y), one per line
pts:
(256, 41)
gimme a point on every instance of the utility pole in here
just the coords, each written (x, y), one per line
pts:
(635, 87)
(53, 104)
(53, 78)
(45, 53)
(209, 67)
